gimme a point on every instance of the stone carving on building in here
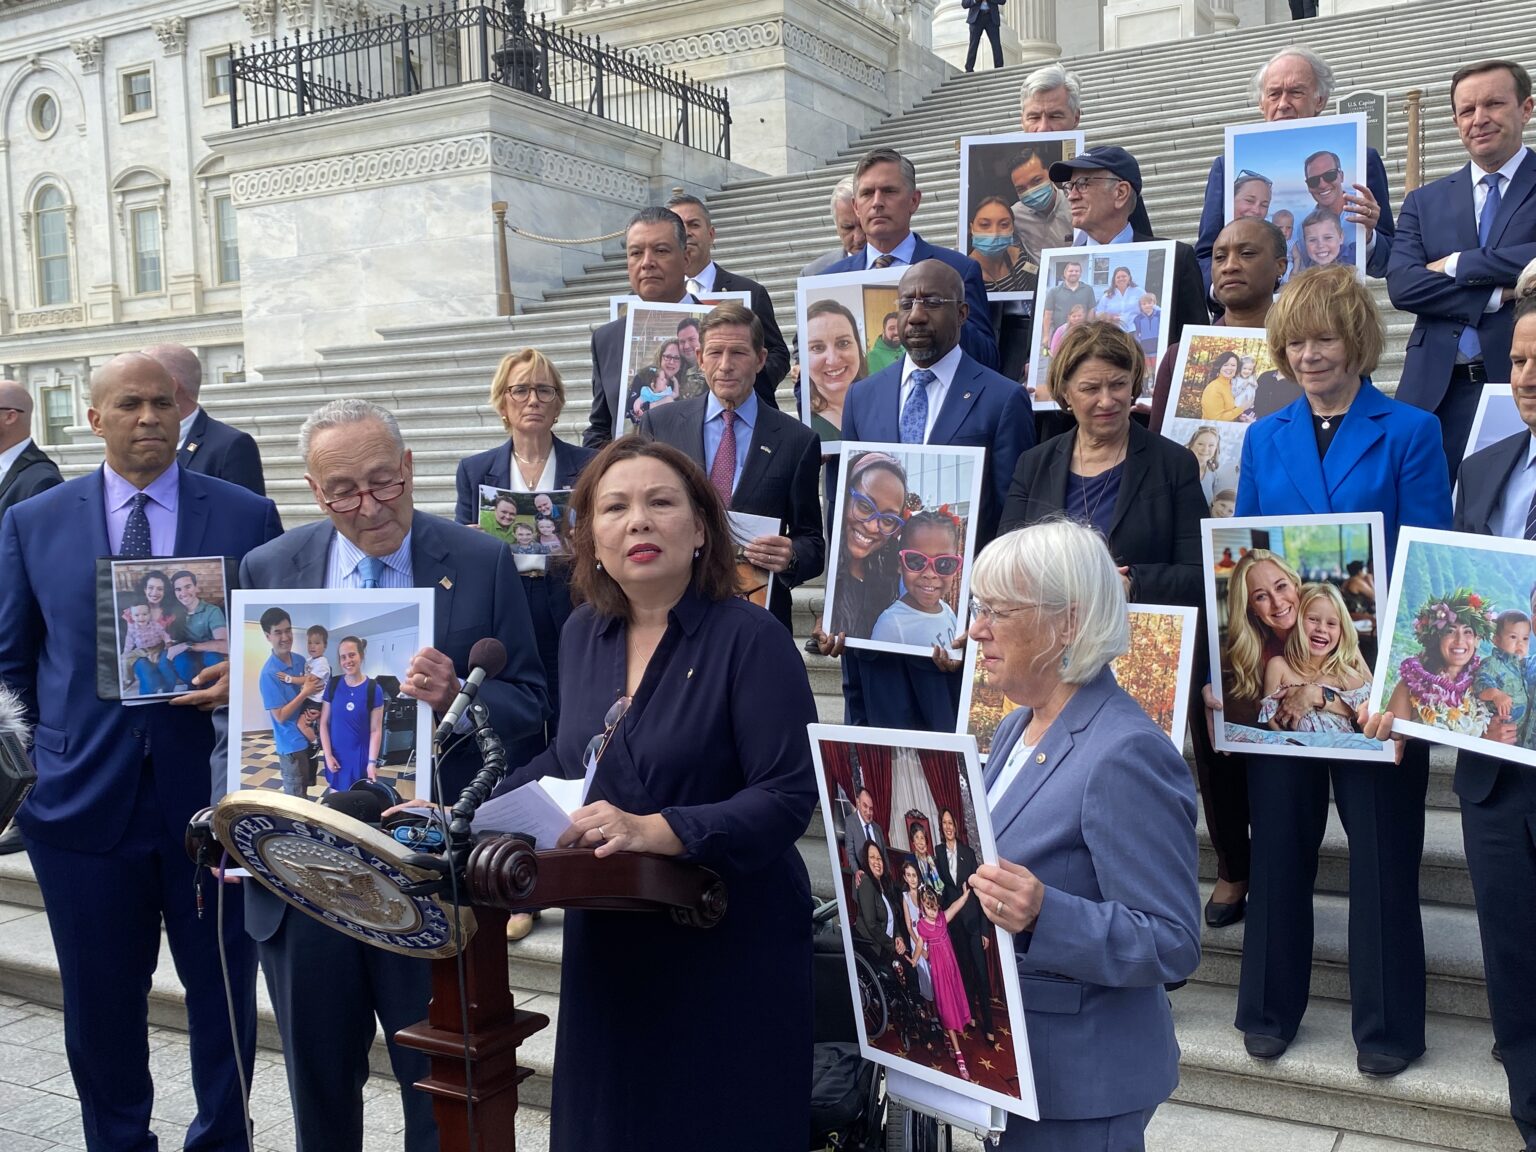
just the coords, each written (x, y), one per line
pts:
(50, 317)
(172, 32)
(765, 34)
(299, 12)
(260, 15)
(435, 158)
(87, 51)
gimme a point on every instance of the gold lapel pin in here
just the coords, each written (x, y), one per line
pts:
(191, 448)
(765, 448)
(446, 583)
(690, 675)
(967, 396)
(1039, 757)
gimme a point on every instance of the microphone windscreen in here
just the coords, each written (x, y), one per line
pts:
(364, 806)
(490, 654)
(16, 773)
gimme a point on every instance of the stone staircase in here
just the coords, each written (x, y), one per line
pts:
(436, 378)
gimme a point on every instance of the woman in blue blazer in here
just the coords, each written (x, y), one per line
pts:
(1342, 447)
(529, 395)
(1094, 812)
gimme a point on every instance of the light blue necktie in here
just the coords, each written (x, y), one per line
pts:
(370, 569)
(1470, 347)
(914, 413)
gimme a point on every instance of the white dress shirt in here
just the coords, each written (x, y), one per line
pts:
(1011, 769)
(1509, 515)
(1480, 198)
(12, 454)
(944, 373)
(704, 283)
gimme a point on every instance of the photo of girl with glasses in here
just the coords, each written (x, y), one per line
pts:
(867, 579)
(929, 559)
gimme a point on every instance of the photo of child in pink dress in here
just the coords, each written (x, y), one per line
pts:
(948, 988)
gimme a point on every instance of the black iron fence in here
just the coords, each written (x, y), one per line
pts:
(451, 43)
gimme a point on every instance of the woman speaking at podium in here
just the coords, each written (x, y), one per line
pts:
(694, 705)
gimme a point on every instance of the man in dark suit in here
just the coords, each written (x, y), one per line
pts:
(207, 445)
(858, 832)
(761, 461)
(1498, 798)
(960, 402)
(655, 251)
(361, 474)
(1294, 84)
(886, 196)
(116, 786)
(1104, 193)
(25, 469)
(705, 276)
(984, 16)
(1463, 241)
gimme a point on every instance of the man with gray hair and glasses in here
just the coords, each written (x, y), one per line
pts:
(372, 536)
(1293, 84)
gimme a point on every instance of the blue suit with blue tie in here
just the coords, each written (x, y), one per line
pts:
(1385, 457)
(104, 825)
(981, 408)
(1103, 813)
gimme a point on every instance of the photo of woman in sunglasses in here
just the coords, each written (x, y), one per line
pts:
(902, 548)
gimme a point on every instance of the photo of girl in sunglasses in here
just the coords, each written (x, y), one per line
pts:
(902, 548)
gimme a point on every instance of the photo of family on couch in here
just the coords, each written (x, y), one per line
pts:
(168, 623)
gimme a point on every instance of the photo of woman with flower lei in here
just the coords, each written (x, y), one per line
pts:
(1456, 665)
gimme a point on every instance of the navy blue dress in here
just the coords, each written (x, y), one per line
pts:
(674, 1037)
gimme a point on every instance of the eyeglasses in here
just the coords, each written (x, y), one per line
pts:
(1329, 177)
(929, 303)
(981, 611)
(352, 501)
(10, 409)
(599, 742)
(914, 562)
(1246, 175)
(521, 392)
(1080, 185)
(866, 511)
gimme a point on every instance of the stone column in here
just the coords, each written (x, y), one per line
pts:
(1034, 22)
(1223, 16)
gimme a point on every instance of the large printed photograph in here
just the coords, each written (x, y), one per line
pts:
(936, 981)
(845, 326)
(1456, 665)
(167, 623)
(1291, 603)
(901, 553)
(661, 358)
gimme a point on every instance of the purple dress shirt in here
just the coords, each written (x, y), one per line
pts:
(163, 492)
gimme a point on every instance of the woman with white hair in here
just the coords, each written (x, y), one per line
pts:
(1094, 812)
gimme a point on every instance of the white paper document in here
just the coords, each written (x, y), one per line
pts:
(541, 808)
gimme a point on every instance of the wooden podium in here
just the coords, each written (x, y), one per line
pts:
(472, 1038)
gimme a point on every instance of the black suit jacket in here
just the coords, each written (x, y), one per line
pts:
(32, 472)
(780, 479)
(607, 367)
(970, 916)
(216, 449)
(777, 366)
(1188, 304)
(1156, 525)
(1481, 484)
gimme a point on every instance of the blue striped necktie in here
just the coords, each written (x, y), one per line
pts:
(370, 569)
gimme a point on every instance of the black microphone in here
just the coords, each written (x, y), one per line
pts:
(16, 772)
(486, 659)
(366, 800)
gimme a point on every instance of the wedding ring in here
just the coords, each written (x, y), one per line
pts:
(601, 833)
(999, 906)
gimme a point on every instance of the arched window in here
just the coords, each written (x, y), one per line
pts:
(51, 221)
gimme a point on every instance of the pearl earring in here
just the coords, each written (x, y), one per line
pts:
(695, 553)
(599, 565)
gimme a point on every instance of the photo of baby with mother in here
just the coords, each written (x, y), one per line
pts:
(1458, 666)
(901, 554)
(1292, 601)
(170, 624)
(935, 979)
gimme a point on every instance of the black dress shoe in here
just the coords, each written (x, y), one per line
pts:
(10, 841)
(1175, 986)
(1225, 915)
(1264, 1047)
(1497, 1055)
(1379, 1064)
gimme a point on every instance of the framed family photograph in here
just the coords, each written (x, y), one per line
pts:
(1010, 212)
(845, 326)
(905, 535)
(530, 523)
(1291, 605)
(619, 305)
(1223, 380)
(1295, 174)
(907, 824)
(661, 358)
(314, 695)
(1155, 670)
(1125, 284)
(159, 623)
(1456, 662)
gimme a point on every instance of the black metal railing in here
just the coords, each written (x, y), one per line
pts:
(453, 42)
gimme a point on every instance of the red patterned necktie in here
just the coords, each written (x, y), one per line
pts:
(722, 473)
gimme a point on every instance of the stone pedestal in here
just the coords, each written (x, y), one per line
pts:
(381, 215)
(805, 77)
(1129, 23)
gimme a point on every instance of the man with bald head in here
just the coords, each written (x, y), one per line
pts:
(25, 469)
(116, 786)
(206, 445)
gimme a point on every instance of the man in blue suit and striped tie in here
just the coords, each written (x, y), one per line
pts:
(116, 786)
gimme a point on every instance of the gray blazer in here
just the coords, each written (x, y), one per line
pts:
(1103, 814)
